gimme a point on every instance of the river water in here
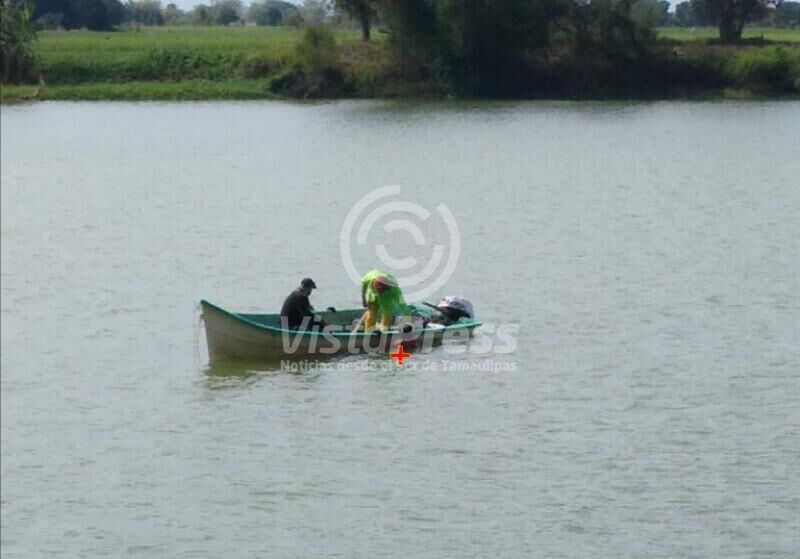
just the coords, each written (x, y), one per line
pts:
(648, 255)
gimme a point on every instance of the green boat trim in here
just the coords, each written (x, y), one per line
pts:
(251, 319)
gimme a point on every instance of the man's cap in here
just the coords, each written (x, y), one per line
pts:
(308, 282)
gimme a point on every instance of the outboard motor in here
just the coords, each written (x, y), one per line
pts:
(455, 308)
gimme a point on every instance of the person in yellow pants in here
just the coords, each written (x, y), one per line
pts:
(380, 294)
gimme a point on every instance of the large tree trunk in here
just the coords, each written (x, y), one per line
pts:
(729, 30)
(365, 28)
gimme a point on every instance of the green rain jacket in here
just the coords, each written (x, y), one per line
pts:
(390, 301)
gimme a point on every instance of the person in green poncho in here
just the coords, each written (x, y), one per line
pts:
(380, 294)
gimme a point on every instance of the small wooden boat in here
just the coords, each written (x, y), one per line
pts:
(260, 336)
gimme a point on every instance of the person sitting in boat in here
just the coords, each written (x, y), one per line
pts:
(297, 312)
(380, 294)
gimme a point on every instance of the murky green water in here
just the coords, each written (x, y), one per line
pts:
(650, 253)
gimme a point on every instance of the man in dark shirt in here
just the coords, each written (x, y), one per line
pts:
(297, 307)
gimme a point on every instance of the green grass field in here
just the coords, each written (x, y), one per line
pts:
(278, 40)
(164, 53)
(706, 33)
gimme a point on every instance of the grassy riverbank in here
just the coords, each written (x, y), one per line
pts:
(184, 90)
(202, 63)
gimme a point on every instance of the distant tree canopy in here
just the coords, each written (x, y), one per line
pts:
(220, 12)
(787, 14)
(663, 13)
(650, 13)
(315, 12)
(201, 15)
(271, 12)
(443, 31)
(73, 14)
(225, 12)
(145, 12)
(684, 15)
(105, 14)
(730, 16)
(173, 15)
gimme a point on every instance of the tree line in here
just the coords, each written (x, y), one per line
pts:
(102, 15)
(482, 48)
(730, 16)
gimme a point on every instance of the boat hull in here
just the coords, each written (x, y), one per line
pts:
(235, 336)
